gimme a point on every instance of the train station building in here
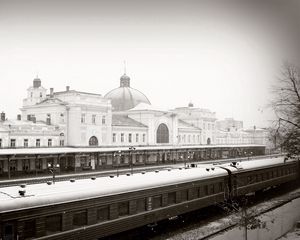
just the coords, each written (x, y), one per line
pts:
(122, 119)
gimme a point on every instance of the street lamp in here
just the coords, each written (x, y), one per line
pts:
(131, 149)
(52, 169)
(118, 155)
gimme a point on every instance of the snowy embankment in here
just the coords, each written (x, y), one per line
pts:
(279, 216)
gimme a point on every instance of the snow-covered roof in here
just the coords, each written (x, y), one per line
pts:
(121, 120)
(147, 107)
(38, 195)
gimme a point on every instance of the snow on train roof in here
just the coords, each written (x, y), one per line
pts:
(255, 164)
(38, 195)
(65, 150)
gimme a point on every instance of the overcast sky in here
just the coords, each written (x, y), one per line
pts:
(221, 55)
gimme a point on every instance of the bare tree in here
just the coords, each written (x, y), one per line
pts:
(286, 105)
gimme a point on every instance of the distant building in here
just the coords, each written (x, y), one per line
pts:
(229, 124)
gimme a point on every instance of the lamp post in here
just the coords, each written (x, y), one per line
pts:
(118, 154)
(52, 169)
(131, 149)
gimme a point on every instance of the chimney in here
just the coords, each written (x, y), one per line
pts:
(67, 88)
(51, 92)
(19, 117)
(3, 116)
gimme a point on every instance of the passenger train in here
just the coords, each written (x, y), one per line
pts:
(98, 207)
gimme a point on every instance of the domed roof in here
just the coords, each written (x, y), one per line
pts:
(125, 97)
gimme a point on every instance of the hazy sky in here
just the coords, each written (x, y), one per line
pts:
(221, 55)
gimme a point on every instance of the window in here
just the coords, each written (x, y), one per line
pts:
(114, 137)
(50, 142)
(171, 198)
(204, 125)
(184, 195)
(123, 208)
(137, 137)
(0, 142)
(93, 141)
(82, 118)
(130, 137)
(93, 119)
(29, 228)
(208, 126)
(25, 143)
(12, 142)
(122, 137)
(61, 142)
(198, 138)
(38, 142)
(189, 138)
(162, 134)
(53, 224)
(183, 138)
(79, 218)
(41, 94)
(144, 137)
(31, 94)
(211, 189)
(205, 190)
(103, 120)
(141, 205)
(102, 214)
(156, 201)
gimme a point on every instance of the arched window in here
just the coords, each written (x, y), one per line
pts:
(208, 141)
(162, 134)
(93, 141)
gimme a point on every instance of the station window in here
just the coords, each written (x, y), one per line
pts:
(79, 218)
(103, 214)
(122, 137)
(130, 137)
(29, 228)
(93, 119)
(61, 142)
(82, 118)
(103, 120)
(0, 142)
(123, 208)
(137, 137)
(144, 137)
(12, 142)
(25, 143)
(114, 137)
(141, 205)
(38, 142)
(171, 198)
(50, 142)
(53, 224)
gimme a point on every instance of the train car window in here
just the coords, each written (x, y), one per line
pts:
(171, 198)
(79, 218)
(29, 228)
(267, 175)
(271, 174)
(193, 193)
(53, 224)
(184, 195)
(262, 176)
(221, 187)
(211, 189)
(103, 214)
(123, 208)
(156, 202)
(141, 205)
(275, 173)
(8, 231)
(205, 190)
(249, 179)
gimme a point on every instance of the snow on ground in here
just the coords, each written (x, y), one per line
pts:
(279, 216)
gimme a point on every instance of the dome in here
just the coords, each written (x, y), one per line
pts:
(125, 97)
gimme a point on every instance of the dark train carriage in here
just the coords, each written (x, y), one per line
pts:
(112, 205)
(249, 177)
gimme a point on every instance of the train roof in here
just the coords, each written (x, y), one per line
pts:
(38, 195)
(256, 164)
(66, 150)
